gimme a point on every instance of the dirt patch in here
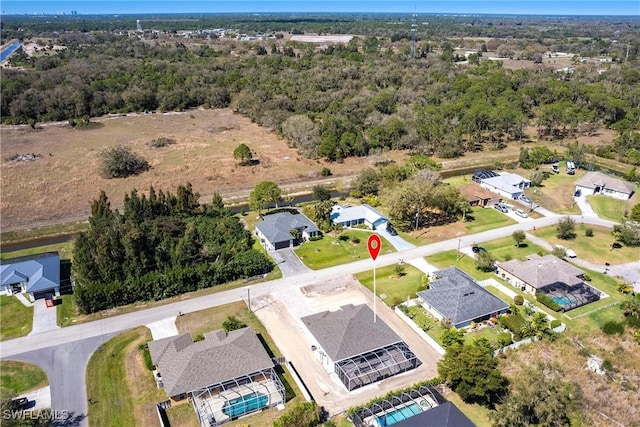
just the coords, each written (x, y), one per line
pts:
(63, 182)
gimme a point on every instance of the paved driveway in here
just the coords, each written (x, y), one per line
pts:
(398, 242)
(584, 206)
(44, 318)
(288, 261)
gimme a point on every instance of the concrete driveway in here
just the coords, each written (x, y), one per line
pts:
(289, 263)
(584, 206)
(398, 242)
(44, 318)
(40, 398)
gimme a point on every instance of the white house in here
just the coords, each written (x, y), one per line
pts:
(350, 216)
(599, 183)
(508, 185)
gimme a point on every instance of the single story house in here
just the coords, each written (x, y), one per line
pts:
(478, 196)
(350, 216)
(274, 231)
(361, 351)
(37, 275)
(226, 376)
(508, 185)
(551, 276)
(599, 183)
(538, 272)
(456, 296)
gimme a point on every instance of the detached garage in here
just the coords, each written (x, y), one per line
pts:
(360, 351)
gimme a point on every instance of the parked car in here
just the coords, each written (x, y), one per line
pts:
(501, 208)
(578, 193)
(525, 199)
(567, 251)
(521, 213)
(19, 404)
(391, 230)
(555, 168)
(477, 249)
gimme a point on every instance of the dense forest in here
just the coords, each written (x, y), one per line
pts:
(346, 99)
(160, 245)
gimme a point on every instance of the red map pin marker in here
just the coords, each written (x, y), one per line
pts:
(374, 244)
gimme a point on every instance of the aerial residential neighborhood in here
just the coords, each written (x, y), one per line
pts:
(258, 216)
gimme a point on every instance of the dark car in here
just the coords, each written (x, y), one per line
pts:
(19, 403)
(391, 230)
(477, 249)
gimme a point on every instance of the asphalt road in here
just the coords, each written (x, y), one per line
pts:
(64, 352)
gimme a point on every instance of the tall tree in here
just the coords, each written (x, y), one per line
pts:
(243, 153)
(518, 237)
(264, 193)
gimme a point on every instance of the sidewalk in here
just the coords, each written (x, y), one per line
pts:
(23, 300)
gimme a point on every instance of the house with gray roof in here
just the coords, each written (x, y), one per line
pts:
(508, 185)
(274, 231)
(225, 375)
(352, 216)
(37, 275)
(358, 348)
(599, 183)
(456, 296)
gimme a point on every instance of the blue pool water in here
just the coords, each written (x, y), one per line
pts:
(398, 415)
(562, 301)
(9, 50)
(245, 404)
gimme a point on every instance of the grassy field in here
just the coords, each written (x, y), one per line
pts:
(182, 416)
(394, 288)
(66, 310)
(556, 193)
(505, 248)
(595, 249)
(608, 207)
(16, 320)
(331, 251)
(120, 389)
(211, 319)
(19, 377)
(487, 219)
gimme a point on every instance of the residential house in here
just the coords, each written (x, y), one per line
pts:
(351, 216)
(456, 296)
(37, 275)
(275, 230)
(358, 348)
(599, 183)
(508, 185)
(478, 196)
(226, 376)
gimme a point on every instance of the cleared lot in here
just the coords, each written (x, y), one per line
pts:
(280, 313)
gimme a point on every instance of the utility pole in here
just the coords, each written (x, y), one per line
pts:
(414, 30)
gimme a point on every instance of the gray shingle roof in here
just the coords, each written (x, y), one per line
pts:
(543, 271)
(457, 296)
(277, 227)
(444, 415)
(41, 271)
(349, 331)
(598, 179)
(186, 365)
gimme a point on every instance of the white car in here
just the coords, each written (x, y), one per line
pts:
(521, 213)
(568, 252)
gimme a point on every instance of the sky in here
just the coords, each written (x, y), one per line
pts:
(519, 7)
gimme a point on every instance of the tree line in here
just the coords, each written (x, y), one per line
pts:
(160, 245)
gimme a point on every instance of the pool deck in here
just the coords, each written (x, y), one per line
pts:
(373, 422)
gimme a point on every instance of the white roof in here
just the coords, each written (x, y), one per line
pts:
(507, 182)
(341, 214)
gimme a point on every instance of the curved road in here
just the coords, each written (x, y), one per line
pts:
(69, 348)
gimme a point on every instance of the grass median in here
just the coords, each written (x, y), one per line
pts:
(16, 320)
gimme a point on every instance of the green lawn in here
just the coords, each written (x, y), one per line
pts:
(487, 219)
(608, 207)
(397, 289)
(505, 248)
(557, 190)
(596, 249)
(478, 414)
(66, 310)
(183, 416)
(19, 377)
(16, 319)
(464, 263)
(64, 249)
(331, 251)
(121, 391)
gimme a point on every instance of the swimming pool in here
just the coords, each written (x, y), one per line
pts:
(562, 301)
(398, 415)
(245, 404)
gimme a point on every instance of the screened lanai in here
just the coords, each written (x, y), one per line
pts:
(222, 402)
(376, 365)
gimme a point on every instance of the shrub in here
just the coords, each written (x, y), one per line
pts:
(146, 355)
(588, 232)
(518, 300)
(545, 300)
(121, 162)
(566, 228)
(344, 237)
(304, 414)
(555, 323)
(198, 338)
(606, 365)
(513, 323)
(504, 339)
(613, 327)
(315, 238)
(355, 240)
(161, 142)
(508, 257)
(326, 172)
(586, 277)
(232, 323)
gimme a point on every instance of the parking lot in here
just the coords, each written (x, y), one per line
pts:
(280, 312)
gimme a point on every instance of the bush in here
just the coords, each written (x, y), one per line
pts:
(315, 238)
(508, 257)
(121, 162)
(588, 232)
(504, 339)
(545, 300)
(326, 172)
(344, 237)
(304, 414)
(612, 328)
(518, 300)
(355, 240)
(606, 365)
(586, 277)
(161, 142)
(513, 323)
(555, 323)
(232, 323)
